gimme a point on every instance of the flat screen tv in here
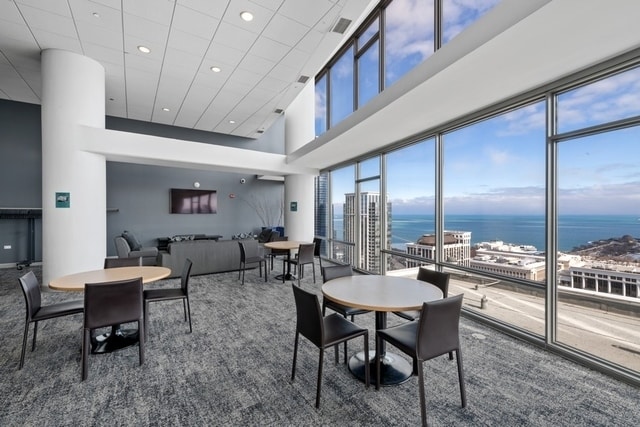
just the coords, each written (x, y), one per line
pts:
(190, 201)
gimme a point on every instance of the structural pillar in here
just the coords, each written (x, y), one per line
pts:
(299, 129)
(74, 207)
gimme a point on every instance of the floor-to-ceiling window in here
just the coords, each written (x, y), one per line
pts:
(343, 233)
(598, 198)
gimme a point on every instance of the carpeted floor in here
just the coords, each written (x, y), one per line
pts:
(235, 368)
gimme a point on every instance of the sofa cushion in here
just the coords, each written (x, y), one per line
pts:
(133, 242)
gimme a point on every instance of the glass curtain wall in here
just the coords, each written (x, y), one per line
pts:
(598, 188)
(342, 215)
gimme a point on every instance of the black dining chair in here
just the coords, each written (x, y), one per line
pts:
(110, 303)
(253, 257)
(122, 262)
(434, 334)
(323, 332)
(334, 272)
(36, 311)
(168, 294)
(437, 278)
(304, 257)
(316, 250)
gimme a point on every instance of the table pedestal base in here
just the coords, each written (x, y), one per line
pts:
(115, 340)
(393, 368)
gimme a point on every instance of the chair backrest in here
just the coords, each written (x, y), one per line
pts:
(243, 252)
(335, 271)
(122, 262)
(110, 303)
(316, 250)
(438, 331)
(265, 235)
(31, 290)
(186, 274)
(122, 247)
(309, 321)
(437, 278)
(305, 253)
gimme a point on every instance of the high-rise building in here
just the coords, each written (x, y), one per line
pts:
(370, 229)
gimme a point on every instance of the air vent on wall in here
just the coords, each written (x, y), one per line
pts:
(341, 26)
(278, 111)
(259, 131)
(303, 79)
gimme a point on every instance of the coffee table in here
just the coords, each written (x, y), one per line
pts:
(381, 294)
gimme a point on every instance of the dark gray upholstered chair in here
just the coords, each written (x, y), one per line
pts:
(273, 253)
(316, 250)
(333, 272)
(323, 332)
(37, 312)
(304, 257)
(434, 334)
(122, 262)
(128, 246)
(168, 294)
(437, 278)
(110, 303)
(253, 257)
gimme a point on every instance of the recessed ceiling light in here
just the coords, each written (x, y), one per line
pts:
(144, 49)
(232, 121)
(216, 69)
(247, 16)
(96, 15)
(165, 109)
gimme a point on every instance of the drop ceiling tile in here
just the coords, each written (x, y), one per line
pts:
(269, 49)
(108, 17)
(188, 43)
(245, 77)
(195, 23)
(12, 30)
(295, 59)
(103, 54)
(114, 4)
(208, 81)
(310, 42)
(276, 84)
(220, 53)
(59, 7)
(214, 8)
(139, 63)
(15, 87)
(269, 4)
(159, 11)
(10, 12)
(282, 72)
(285, 30)
(305, 12)
(234, 36)
(256, 63)
(50, 22)
(261, 15)
(101, 36)
(145, 30)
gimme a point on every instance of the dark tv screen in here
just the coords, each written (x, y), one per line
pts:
(189, 201)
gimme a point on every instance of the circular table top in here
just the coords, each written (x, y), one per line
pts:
(284, 244)
(76, 282)
(381, 293)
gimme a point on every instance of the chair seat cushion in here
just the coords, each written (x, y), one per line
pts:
(59, 309)
(343, 309)
(338, 329)
(163, 294)
(402, 336)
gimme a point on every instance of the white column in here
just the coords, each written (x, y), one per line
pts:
(73, 93)
(299, 129)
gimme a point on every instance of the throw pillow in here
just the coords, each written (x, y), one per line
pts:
(133, 242)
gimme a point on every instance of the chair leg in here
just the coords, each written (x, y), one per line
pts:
(24, 343)
(319, 386)
(313, 267)
(367, 373)
(189, 311)
(423, 403)
(378, 348)
(337, 355)
(85, 352)
(283, 273)
(300, 270)
(295, 354)
(145, 314)
(463, 394)
(265, 270)
(141, 342)
(35, 333)
(243, 268)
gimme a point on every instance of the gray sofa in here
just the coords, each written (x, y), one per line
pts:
(208, 256)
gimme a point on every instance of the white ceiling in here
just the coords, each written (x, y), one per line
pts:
(261, 60)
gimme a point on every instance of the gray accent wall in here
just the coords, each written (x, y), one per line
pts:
(137, 195)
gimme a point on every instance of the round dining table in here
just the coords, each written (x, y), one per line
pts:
(381, 294)
(285, 245)
(118, 338)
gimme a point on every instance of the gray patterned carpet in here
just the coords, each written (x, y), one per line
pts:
(234, 370)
